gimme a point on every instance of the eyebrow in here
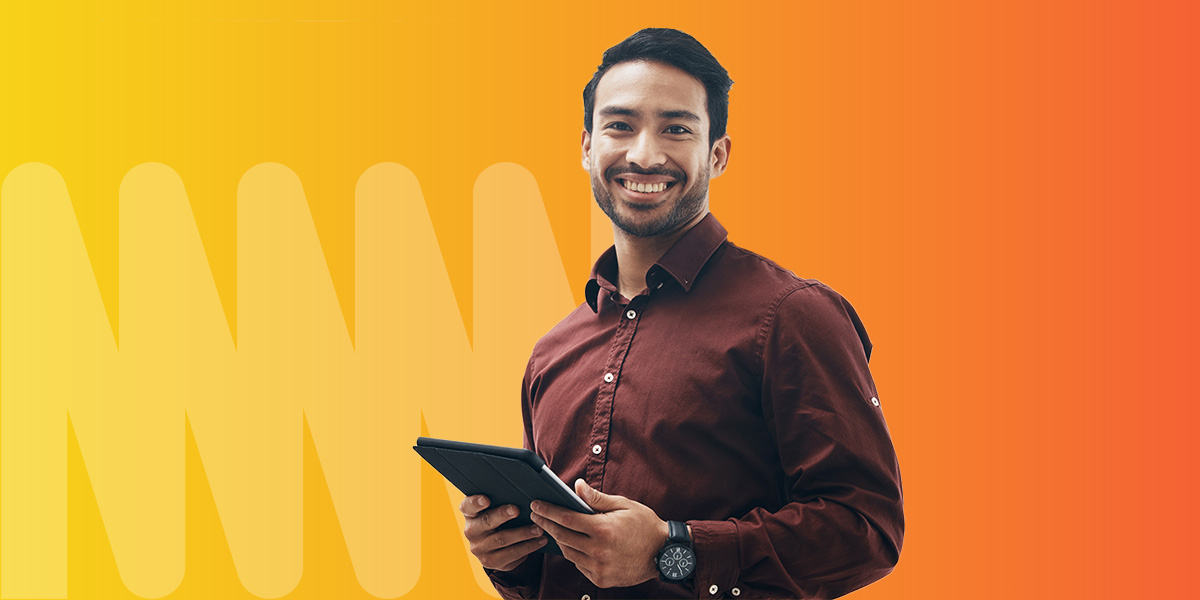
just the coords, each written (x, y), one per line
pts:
(687, 115)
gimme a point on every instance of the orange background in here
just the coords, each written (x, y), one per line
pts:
(1004, 193)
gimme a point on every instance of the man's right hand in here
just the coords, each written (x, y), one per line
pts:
(498, 550)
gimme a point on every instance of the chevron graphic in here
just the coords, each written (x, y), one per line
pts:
(179, 456)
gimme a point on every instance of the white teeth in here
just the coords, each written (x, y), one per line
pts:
(650, 188)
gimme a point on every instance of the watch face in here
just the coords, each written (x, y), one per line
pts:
(676, 562)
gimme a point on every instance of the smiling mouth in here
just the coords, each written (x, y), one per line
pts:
(646, 188)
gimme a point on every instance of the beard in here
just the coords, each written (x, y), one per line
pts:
(687, 206)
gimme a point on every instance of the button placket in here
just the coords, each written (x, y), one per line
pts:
(625, 327)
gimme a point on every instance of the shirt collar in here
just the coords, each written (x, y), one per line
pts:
(682, 262)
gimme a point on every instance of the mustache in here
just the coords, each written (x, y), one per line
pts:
(614, 171)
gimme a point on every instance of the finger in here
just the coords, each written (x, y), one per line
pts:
(563, 535)
(563, 516)
(508, 557)
(495, 517)
(488, 520)
(582, 561)
(507, 537)
(472, 505)
(599, 501)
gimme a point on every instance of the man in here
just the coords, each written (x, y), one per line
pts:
(715, 410)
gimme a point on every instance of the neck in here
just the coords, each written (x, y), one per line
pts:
(635, 255)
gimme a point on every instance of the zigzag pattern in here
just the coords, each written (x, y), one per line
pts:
(293, 368)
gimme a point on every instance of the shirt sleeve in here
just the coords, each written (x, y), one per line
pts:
(843, 524)
(525, 580)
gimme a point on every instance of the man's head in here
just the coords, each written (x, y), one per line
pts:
(654, 130)
(680, 50)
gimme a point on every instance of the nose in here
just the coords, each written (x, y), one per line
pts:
(646, 152)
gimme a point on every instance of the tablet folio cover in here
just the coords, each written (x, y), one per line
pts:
(505, 475)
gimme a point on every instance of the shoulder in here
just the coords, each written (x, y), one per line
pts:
(815, 316)
(753, 271)
(795, 307)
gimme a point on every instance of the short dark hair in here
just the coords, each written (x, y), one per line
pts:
(680, 50)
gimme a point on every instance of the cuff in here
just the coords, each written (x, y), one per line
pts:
(521, 582)
(718, 559)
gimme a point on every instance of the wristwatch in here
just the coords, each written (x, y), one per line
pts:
(677, 560)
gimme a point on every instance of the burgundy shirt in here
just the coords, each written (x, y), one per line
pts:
(734, 396)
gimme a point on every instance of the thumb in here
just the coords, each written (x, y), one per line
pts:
(599, 501)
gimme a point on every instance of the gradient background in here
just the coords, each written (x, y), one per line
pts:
(1004, 192)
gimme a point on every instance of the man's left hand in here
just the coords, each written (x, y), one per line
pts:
(613, 548)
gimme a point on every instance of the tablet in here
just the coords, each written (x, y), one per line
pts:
(505, 475)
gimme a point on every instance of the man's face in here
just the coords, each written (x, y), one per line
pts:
(648, 152)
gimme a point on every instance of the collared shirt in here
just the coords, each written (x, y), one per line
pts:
(734, 396)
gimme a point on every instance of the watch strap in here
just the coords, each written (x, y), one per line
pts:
(677, 536)
(677, 533)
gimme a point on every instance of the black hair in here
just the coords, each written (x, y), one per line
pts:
(680, 50)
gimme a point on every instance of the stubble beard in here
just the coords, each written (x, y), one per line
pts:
(688, 205)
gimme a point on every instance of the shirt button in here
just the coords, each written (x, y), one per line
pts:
(597, 449)
(608, 377)
(631, 314)
(712, 589)
(735, 592)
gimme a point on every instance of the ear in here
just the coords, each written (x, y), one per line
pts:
(587, 151)
(719, 157)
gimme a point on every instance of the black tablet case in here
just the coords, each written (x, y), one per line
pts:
(504, 475)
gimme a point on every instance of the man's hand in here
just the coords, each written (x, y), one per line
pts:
(498, 550)
(614, 548)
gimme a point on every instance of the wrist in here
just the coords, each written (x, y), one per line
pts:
(676, 561)
(661, 532)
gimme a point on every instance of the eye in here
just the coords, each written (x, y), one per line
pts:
(619, 126)
(677, 130)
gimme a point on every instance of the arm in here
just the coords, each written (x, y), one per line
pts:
(522, 578)
(843, 526)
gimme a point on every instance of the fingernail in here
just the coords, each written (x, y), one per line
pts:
(480, 501)
(511, 511)
(541, 540)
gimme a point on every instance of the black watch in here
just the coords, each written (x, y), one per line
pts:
(677, 560)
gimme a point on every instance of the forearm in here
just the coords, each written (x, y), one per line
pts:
(816, 549)
(524, 581)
